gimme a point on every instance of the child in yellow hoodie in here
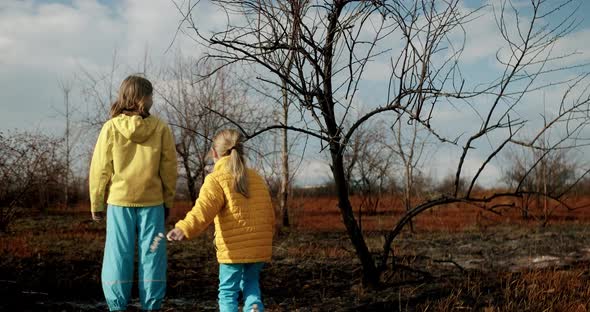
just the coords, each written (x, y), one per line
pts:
(135, 160)
(237, 200)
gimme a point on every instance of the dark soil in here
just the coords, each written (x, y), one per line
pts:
(52, 262)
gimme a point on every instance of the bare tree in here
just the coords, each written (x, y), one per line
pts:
(553, 174)
(332, 42)
(280, 163)
(70, 113)
(369, 165)
(410, 146)
(285, 174)
(30, 173)
(188, 106)
(69, 137)
(99, 88)
(526, 63)
(99, 91)
(286, 60)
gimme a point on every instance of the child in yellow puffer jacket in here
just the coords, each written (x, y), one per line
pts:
(237, 200)
(135, 158)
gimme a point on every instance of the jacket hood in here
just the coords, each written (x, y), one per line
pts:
(221, 162)
(135, 128)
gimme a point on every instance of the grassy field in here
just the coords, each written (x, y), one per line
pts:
(459, 259)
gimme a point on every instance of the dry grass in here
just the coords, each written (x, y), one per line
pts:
(322, 214)
(539, 290)
(315, 267)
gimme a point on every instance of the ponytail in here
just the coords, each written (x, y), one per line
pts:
(228, 142)
(237, 168)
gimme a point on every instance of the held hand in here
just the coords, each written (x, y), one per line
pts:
(175, 235)
(97, 216)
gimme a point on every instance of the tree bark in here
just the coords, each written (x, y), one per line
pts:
(370, 273)
(284, 194)
(190, 180)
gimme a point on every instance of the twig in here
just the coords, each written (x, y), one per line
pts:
(452, 262)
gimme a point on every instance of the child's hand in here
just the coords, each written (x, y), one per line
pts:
(175, 235)
(97, 216)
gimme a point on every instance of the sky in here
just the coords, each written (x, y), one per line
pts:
(43, 42)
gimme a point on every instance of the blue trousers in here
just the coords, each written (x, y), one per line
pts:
(234, 278)
(125, 226)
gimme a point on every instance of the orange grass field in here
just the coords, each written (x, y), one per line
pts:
(321, 213)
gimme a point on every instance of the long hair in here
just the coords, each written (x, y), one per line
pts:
(229, 142)
(132, 97)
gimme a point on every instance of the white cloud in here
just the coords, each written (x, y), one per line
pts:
(483, 38)
(43, 42)
(445, 160)
(576, 42)
(377, 71)
(313, 172)
(46, 36)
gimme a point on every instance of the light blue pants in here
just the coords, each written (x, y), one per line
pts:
(234, 278)
(124, 226)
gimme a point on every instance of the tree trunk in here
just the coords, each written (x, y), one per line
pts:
(370, 273)
(190, 180)
(284, 194)
(66, 90)
(408, 193)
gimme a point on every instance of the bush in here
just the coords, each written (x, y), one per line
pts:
(31, 173)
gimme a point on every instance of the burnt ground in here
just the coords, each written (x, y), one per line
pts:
(52, 263)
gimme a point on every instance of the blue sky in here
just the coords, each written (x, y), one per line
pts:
(43, 41)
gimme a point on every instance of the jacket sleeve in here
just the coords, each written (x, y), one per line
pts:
(101, 169)
(168, 167)
(210, 201)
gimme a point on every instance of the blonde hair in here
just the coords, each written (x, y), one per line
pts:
(229, 142)
(131, 98)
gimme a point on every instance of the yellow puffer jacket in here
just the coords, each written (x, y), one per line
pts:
(137, 156)
(244, 227)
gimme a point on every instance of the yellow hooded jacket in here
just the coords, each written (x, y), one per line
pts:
(137, 156)
(244, 226)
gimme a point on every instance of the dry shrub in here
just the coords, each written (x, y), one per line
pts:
(31, 173)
